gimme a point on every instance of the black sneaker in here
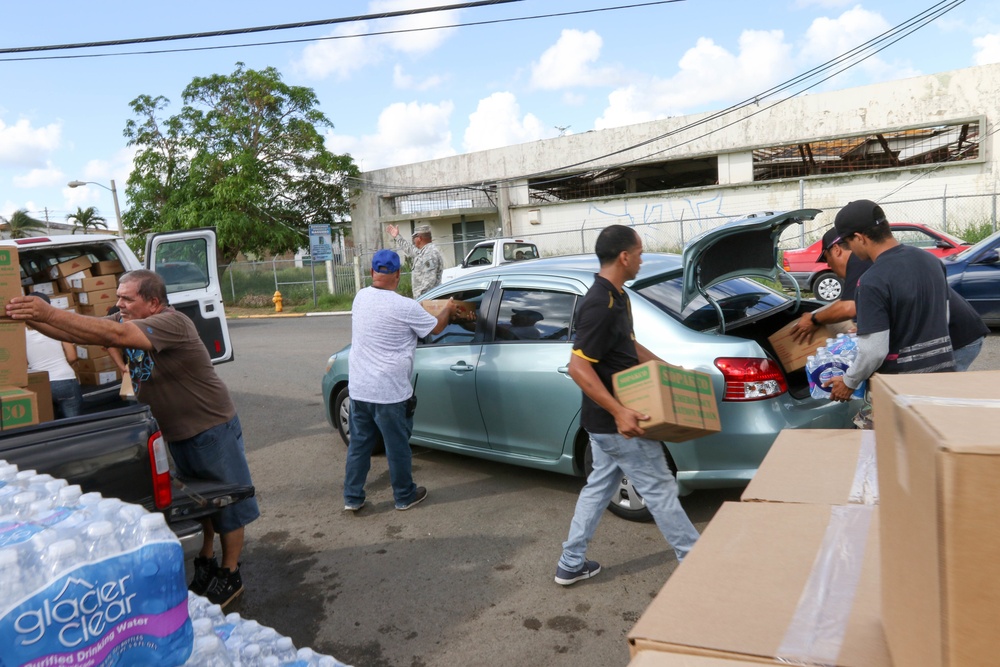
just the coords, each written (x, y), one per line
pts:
(419, 496)
(566, 577)
(205, 570)
(225, 587)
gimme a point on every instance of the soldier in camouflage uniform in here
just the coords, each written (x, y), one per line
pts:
(427, 260)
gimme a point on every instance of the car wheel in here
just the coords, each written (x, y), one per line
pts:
(827, 287)
(342, 418)
(627, 502)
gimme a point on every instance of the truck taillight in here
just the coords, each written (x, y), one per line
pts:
(160, 465)
(751, 379)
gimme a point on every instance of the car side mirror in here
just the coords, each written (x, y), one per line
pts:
(942, 244)
(989, 257)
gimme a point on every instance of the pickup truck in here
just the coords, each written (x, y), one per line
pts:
(115, 447)
(490, 253)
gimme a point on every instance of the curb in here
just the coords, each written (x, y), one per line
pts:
(278, 315)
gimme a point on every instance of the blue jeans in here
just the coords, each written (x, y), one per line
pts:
(642, 461)
(67, 399)
(964, 356)
(367, 421)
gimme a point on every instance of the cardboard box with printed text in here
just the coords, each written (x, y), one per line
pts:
(793, 354)
(464, 310)
(69, 267)
(10, 277)
(680, 403)
(108, 267)
(13, 354)
(18, 407)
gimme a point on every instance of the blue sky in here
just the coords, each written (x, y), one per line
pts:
(408, 97)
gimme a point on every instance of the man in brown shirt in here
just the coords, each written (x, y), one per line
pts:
(171, 372)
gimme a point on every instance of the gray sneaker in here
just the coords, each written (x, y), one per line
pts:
(417, 498)
(354, 508)
(566, 577)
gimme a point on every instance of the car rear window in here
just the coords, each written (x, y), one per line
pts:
(740, 299)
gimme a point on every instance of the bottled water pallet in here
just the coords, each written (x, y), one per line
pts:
(88, 581)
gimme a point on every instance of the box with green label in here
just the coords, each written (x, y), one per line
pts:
(10, 276)
(18, 407)
(680, 402)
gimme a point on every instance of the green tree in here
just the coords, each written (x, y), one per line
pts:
(243, 155)
(86, 219)
(20, 225)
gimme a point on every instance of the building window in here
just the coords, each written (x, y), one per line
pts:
(651, 177)
(957, 142)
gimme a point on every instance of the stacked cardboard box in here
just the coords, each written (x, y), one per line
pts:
(18, 405)
(792, 353)
(680, 403)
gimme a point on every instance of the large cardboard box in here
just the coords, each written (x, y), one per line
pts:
(94, 284)
(69, 267)
(793, 354)
(38, 382)
(99, 377)
(13, 354)
(106, 297)
(96, 364)
(64, 301)
(10, 277)
(661, 659)
(939, 461)
(821, 466)
(91, 351)
(18, 407)
(43, 287)
(775, 583)
(107, 268)
(680, 403)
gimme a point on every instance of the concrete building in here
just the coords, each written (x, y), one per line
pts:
(924, 147)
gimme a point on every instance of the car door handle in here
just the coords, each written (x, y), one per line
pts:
(564, 370)
(461, 367)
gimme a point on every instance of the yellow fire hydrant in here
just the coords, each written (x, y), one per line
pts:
(277, 301)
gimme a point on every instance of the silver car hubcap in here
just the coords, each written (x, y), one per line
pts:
(828, 289)
(628, 498)
(345, 418)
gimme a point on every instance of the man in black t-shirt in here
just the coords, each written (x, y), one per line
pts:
(902, 303)
(605, 344)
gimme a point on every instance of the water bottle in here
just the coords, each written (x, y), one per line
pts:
(12, 584)
(101, 541)
(208, 651)
(284, 649)
(250, 656)
(20, 505)
(69, 496)
(59, 557)
(153, 527)
(129, 525)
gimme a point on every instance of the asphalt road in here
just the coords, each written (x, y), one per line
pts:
(465, 578)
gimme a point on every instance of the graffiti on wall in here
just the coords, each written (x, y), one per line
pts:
(673, 221)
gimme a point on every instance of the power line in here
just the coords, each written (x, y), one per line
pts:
(328, 37)
(852, 58)
(267, 28)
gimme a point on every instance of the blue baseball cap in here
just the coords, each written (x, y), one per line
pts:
(385, 261)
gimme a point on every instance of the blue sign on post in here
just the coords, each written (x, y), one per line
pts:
(320, 243)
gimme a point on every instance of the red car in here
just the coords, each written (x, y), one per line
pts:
(814, 275)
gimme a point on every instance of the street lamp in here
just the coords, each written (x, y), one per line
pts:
(114, 195)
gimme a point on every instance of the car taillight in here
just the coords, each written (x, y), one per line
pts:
(162, 495)
(751, 379)
(785, 264)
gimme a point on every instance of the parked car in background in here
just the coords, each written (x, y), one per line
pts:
(493, 390)
(975, 274)
(814, 275)
(491, 253)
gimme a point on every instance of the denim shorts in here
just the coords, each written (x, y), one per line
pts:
(218, 454)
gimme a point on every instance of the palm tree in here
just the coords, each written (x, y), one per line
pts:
(87, 218)
(21, 225)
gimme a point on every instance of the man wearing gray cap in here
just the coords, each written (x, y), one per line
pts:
(427, 260)
(901, 301)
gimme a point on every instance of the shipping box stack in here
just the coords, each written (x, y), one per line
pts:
(680, 403)
(95, 295)
(18, 404)
(939, 462)
(95, 366)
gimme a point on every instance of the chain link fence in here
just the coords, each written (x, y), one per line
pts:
(253, 284)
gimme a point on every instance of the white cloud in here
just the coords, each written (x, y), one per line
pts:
(345, 55)
(569, 62)
(404, 81)
(26, 146)
(497, 122)
(406, 133)
(47, 176)
(708, 74)
(987, 49)
(831, 4)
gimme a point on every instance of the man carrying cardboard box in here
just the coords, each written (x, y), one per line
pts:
(605, 344)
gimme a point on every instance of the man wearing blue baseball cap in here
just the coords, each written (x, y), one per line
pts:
(385, 327)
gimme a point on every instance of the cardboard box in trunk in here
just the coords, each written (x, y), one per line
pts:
(939, 462)
(99, 377)
(46, 287)
(793, 354)
(13, 354)
(106, 297)
(680, 403)
(772, 582)
(91, 351)
(94, 284)
(820, 466)
(38, 382)
(69, 267)
(96, 364)
(108, 267)
(18, 407)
